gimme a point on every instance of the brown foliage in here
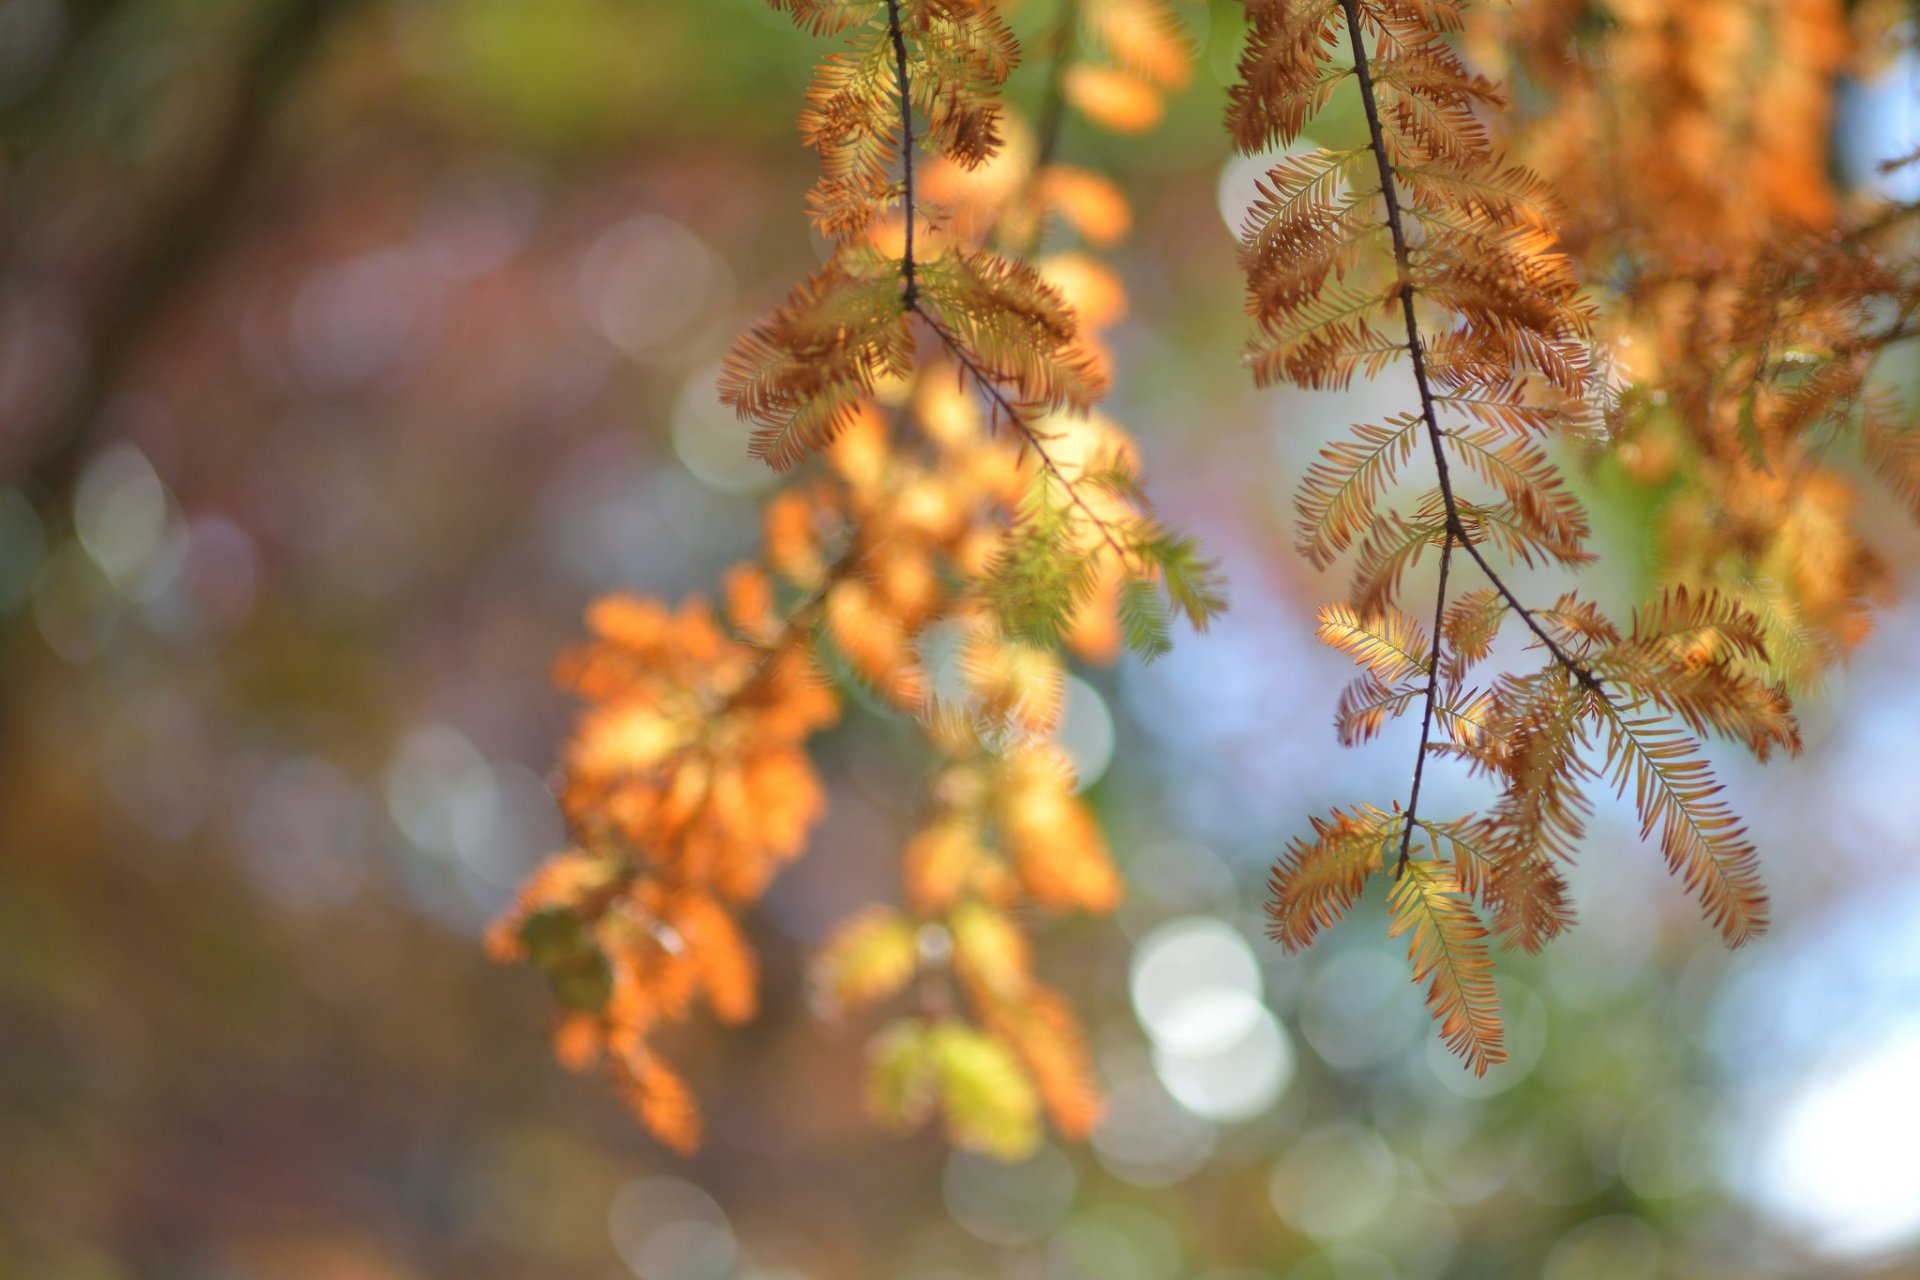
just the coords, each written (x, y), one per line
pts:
(1667, 284)
(1425, 247)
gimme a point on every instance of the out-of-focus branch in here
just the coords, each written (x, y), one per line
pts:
(181, 235)
(82, 19)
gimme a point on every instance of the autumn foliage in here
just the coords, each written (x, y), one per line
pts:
(969, 500)
(1636, 271)
(1426, 248)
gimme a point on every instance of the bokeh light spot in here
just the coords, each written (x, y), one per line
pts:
(1148, 1138)
(120, 512)
(1195, 986)
(711, 441)
(1614, 1247)
(647, 281)
(1005, 1203)
(1839, 1162)
(1085, 731)
(1335, 1183)
(669, 1229)
(1235, 1081)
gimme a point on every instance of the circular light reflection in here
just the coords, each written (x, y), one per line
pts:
(120, 512)
(1360, 1010)
(1615, 1247)
(1667, 1149)
(1147, 1138)
(1177, 877)
(222, 569)
(1839, 1164)
(1236, 1081)
(1336, 1182)
(1085, 732)
(1196, 986)
(1115, 1242)
(646, 282)
(668, 1229)
(1005, 1203)
(304, 831)
(711, 441)
(440, 791)
(360, 320)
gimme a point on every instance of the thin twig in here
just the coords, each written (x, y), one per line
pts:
(1030, 435)
(909, 288)
(910, 294)
(796, 627)
(1426, 716)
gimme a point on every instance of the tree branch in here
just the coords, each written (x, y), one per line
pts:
(181, 235)
(1456, 530)
(1053, 109)
(1030, 435)
(909, 288)
(1426, 714)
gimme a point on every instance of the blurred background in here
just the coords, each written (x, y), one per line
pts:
(349, 347)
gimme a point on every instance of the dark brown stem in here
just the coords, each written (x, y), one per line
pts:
(1426, 715)
(1456, 530)
(909, 289)
(797, 627)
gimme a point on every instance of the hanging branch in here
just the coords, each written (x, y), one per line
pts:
(1455, 530)
(687, 781)
(909, 290)
(1463, 235)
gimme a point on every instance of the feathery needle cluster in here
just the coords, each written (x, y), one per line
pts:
(1759, 317)
(1423, 248)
